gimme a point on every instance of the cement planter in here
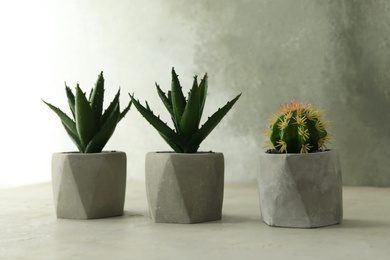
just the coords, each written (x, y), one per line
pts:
(184, 188)
(89, 185)
(301, 190)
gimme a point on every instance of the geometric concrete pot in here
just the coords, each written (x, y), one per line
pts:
(89, 185)
(301, 190)
(184, 188)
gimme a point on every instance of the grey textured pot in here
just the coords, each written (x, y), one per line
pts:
(184, 188)
(301, 190)
(87, 186)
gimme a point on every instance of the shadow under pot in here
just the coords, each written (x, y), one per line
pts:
(89, 185)
(184, 188)
(300, 190)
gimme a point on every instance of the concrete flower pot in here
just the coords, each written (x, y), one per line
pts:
(89, 185)
(184, 188)
(301, 190)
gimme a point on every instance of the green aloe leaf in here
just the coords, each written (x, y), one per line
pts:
(75, 139)
(91, 129)
(71, 100)
(165, 99)
(124, 112)
(86, 123)
(172, 144)
(190, 120)
(97, 97)
(210, 124)
(90, 95)
(202, 94)
(110, 109)
(101, 138)
(66, 120)
(173, 115)
(178, 99)
(164, 130)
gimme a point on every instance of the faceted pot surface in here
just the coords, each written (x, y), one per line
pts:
(184, 188)
(87, 186)
(301, 190)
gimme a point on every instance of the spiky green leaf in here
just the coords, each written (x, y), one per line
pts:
(178, 99)
(203, 93)
(97, 97)
(172, 144)
(101, 138)
(65, 119)
(71, 100)
(90, 95)
(124, 112)
(110, 109)
(165, 99)
(209, 125)
(86, 123)
(190, 120)
(169, 94)
(75, 139)
(163, 129)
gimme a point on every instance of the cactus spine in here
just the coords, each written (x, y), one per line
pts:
(297, 128)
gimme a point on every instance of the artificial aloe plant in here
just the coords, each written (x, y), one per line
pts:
(90, 129)
(297, 128)
(186, 115)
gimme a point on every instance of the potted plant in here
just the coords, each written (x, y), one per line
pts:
(184, 186)
(299, 179)
(90, 183)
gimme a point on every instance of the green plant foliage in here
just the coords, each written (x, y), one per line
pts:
(297, 128)
(186, 114)
(90, 129)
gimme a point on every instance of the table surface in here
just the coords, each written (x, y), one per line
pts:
(30, 230)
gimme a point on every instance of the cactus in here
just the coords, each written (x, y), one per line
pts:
(90, 129)
(297, 128)
(185, 114)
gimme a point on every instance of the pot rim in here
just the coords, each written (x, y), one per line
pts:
(327, 151)
(202, 153)
(90, 154)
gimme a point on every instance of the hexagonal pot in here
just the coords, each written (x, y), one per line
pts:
(301, 190)
(184, 188)
(89, 185)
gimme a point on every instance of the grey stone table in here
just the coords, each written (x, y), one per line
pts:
(30, 230)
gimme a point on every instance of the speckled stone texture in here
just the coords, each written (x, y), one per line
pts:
(300, 190)
(87, 186)
(184, 188)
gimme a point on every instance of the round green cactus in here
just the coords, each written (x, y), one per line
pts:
(297, 128)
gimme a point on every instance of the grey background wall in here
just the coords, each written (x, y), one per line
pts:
(331, 53)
